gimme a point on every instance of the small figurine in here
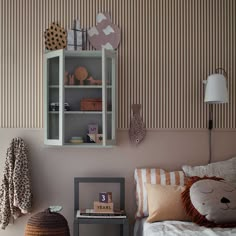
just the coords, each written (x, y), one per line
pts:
(66, 78)
(71, 79)
(92, 81)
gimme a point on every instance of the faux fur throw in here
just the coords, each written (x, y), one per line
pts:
(15, 192)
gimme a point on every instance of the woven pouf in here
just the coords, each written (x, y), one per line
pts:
(47, 223)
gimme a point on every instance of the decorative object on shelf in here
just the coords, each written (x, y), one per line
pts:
(105, 33)
(54, 106)
(71, 79)
(66, 78)
(103, 207)
(93, 81)
(76, 140)
(91, 138)
(91, 104)
(55, 37)
(93, 128)
(99, 138)
(76, 37)
(137, 131)
(105, 197)
(47, 223)
(215, 93)
(66, 106)
(81, 74)
(94, 138)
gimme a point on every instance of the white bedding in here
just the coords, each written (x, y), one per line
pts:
(175, 228)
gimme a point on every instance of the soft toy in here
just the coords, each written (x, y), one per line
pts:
(105, 33)
(210, 201)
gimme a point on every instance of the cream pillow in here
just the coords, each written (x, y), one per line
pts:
(224, 169)
(165, 203)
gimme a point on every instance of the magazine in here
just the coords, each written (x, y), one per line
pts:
(90, 213)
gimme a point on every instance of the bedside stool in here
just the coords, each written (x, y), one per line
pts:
(123, 222)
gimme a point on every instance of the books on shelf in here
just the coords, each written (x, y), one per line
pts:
(90, 213)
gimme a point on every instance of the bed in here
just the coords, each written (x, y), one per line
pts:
(163, 209)
(178, 228)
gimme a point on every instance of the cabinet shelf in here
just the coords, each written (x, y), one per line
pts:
(80, 86)
(87, 145)
(79, 112)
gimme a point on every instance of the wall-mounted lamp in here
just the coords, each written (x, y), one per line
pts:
(215, 93)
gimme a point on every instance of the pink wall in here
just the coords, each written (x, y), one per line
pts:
(53, 169)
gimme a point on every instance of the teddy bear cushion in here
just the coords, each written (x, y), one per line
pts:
(210, 202)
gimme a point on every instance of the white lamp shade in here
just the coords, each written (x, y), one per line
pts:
(216, 91)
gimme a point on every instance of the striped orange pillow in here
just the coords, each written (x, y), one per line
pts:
(153, 176)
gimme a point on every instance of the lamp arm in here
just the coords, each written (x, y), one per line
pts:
(210, 126)
(210, 121)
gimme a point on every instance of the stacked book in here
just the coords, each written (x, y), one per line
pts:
(90, 213)
(76, 140)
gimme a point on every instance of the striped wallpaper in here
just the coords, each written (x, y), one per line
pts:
(168, 47)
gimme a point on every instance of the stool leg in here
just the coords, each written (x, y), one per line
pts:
(126, 229)
(76, 229)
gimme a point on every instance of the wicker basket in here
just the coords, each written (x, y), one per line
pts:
(47, 223)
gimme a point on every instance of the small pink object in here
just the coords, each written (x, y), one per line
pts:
(92, 81)
(71, 79)
(66, 78)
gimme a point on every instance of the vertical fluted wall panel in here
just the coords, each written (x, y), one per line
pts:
(168, 47)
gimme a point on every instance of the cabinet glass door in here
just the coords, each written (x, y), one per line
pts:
(109, 95)
(54, 105)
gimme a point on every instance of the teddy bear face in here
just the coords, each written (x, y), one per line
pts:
(216, 200)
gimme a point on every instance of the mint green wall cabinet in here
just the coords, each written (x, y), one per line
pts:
(64, 125)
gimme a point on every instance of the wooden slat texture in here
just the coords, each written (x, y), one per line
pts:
(168, 47)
